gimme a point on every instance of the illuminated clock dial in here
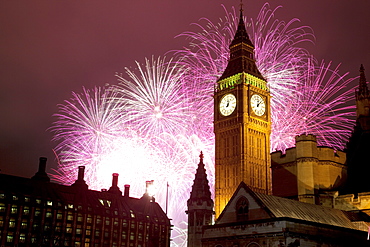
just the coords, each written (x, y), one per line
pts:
(258, 105)
(227, 104)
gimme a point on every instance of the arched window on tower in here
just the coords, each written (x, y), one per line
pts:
(242, 209)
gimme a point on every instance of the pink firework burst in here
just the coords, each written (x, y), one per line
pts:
(320, 106)
(290, 70)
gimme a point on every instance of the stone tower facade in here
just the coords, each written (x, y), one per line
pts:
(307, 170)
(242, 123)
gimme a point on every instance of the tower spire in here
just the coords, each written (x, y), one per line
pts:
(241, 53)
(200, 205)
(363, 89)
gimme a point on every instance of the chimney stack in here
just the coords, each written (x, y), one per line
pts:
(114, 189)
(80, 182)
(127, 190)
(41, 174)
(81, 173)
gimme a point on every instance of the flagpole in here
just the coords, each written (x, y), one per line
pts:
(167, 198)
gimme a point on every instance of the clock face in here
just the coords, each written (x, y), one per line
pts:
(227, 104)
(258, 105)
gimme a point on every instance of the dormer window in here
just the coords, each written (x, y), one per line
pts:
(242, 209)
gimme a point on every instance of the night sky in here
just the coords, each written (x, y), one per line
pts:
(50, 48)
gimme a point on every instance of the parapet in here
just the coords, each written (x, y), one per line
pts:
(304, 137)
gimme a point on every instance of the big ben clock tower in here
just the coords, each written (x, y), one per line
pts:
(242, 123)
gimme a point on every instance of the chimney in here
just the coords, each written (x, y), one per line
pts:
(114, 189)
(81, 173)
(149, 191)
(80, 182)
(41, 174)
(127, 190)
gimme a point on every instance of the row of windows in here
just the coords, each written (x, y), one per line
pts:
(11, 237)
(49, 213)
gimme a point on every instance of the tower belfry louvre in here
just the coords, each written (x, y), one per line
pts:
(242, 123)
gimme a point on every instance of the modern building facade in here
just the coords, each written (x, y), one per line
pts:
(37, 212)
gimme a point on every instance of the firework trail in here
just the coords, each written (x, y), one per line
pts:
(108, 130)
(159, 116)
(319, 106)
(154, 98)
(290, 70)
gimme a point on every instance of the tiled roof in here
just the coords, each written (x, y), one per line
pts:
(287, 208)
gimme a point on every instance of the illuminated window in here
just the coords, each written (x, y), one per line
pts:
(59, 215)
(58, 227)
(78, 230)
(97, 233)
(24, 224)
(124, 223)
(79, 218)
(107, 221)
(77, 244)
(69, 228)
(2, 207)
(124, 235)
(87, 242)
(133, 225)
(132, 214)
(12, 223)
(37, 212)
(2, 196)
(33, 239)
(46, 228)
(70, 206)
(26, 210)
(98, 220)
(35, 226)
(9, 237)
(89, 218)
(49, 203)
(14, 209)
(115, 223)
(140, 237)
(15, 198)
(1, 221)
(38, 201)
(141, 227)
(106, 233)
(88, 230)
(49, 214)
(69, 216)
(22, 238)
(27, 199)
(132, 236)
